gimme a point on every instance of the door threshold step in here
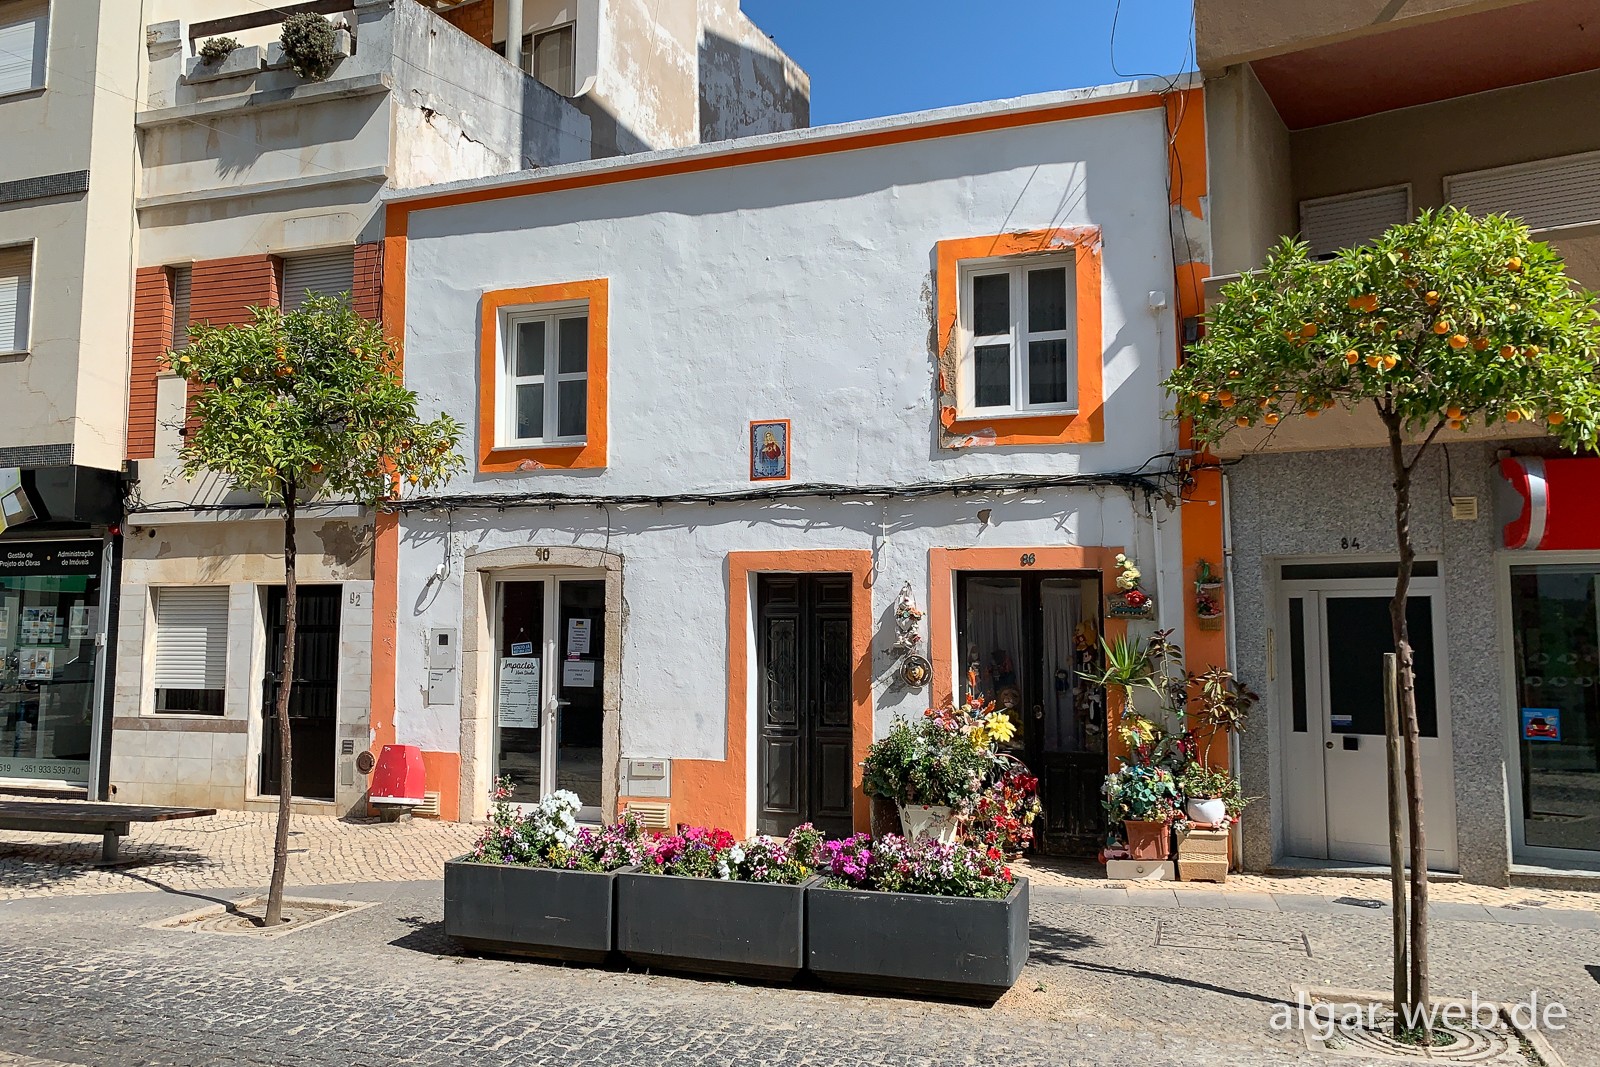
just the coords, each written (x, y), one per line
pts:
(1293, 866)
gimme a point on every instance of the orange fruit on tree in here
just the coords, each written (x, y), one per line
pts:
(1352, 357)
(1374, 361)
(1271, 419)
(1442, 326)
(1452, 412)
(1513, 415)
(1514, 264)
(1531, 351)
(1390, 361)
(1308, 330)
(1507, 351)
(1480, 344)
(1431, 296)
(1458, 341)
(1555, 418)
(1205, 398)
(1225, 398)
(1241, 421)
(1312, 413)
(1457, 424)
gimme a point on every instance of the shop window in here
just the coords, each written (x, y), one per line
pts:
(24, 38)
(544, 376)
(191, 650)
(1016, 336)
(1557, 712)
(16, 298)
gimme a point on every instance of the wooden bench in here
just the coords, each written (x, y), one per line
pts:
(110, 821)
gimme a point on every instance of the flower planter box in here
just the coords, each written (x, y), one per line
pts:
(530, 911)
(712, 926)
(911, 943)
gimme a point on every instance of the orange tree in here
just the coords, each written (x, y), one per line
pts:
(1440, 325)
(298, 405)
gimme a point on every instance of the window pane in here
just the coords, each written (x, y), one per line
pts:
(530, 348)
(1361, 635)
(572, 398)
(991, 304)
(991, 379)
(1049, 373)
(1297, 661)
(573, 343)
(1047, 299)
(552, 59)
(530, 412)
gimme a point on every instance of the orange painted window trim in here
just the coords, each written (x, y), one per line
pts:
(1084, 426)
(716, 792)
(590, 454)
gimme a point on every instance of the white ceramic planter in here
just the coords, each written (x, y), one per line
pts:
(1206, 809)
(929, 820)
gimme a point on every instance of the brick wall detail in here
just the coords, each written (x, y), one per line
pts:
(476, 20)
(221, 292)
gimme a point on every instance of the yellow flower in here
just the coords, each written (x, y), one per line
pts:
(1000, 728)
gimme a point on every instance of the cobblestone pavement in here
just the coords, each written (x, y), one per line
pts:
(234, 848)
(1108, 984)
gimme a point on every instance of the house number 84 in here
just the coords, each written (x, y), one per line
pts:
(1027, 559)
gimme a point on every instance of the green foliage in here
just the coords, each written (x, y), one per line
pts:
(308, 40)
(1201, 782)
(309, 400)
(1450, 321)
(1126, 666)
(1140, 792)
(218, 48)
(928, 762)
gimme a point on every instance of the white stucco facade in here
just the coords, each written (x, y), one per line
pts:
(803, 287)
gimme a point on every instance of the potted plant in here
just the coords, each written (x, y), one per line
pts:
(308, 40)
(701, 901)
(216, 49)
(1221, 708)
(935, 768)
(1143, 798)
(1005, 812)
(536, 884)
(917, 917)
(1211, 795)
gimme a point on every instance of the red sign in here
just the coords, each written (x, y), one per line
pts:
(1560, 503)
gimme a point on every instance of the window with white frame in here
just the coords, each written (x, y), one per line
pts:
(545, 368)
(16, 299)
(191, 658)
(1018, 352)
(24, 38)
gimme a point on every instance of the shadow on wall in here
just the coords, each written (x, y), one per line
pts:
(744, 92)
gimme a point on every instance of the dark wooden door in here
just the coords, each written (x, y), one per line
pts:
(804, 665)
(1013, 638)
(314, 703)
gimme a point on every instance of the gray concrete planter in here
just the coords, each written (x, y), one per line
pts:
(913, 943)
(530, 911)
(711, 926)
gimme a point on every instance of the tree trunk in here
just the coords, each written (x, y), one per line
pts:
(280, 844)
(1411, 734)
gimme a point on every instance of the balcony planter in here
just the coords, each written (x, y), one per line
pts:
(1147, 840)
(955, 947)
(529, 911)
(929, 820)
(237, 64)
(712, 926)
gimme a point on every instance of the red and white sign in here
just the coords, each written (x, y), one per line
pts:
(1560, 507)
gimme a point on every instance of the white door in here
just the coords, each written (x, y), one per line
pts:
(549, 686)
(1335, 791)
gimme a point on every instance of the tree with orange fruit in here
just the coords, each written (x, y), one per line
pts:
(298, 405)
(1441, 324)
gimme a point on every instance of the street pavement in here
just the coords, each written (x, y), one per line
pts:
(1135, 978)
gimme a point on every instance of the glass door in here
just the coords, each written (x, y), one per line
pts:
(549, 694)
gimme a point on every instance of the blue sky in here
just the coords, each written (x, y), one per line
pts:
(882, 57)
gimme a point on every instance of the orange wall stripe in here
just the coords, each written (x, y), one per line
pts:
(592, 453)
(397, 214)
(715, 792)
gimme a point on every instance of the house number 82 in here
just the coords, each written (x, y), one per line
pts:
(1027, 559)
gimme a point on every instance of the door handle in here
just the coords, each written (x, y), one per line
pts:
(1038, 711)
(1328, 744)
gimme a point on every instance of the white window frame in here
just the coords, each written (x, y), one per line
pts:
(152, 652)
(25, 311)
(551, 315)
(1019, 337)
(44, 67)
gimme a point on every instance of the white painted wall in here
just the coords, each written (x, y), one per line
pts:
(801, 290)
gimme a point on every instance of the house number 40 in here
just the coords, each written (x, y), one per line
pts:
(1027, 559)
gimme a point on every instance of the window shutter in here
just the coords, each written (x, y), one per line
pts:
(16, 297)
(324, 273)
(182, 278)
(1334, 222)
(23, 37)
(1551, 192)
(192, 638)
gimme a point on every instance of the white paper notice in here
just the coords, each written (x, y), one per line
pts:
(578, 637)
(78, 622)
(519, 692)
(578, 673)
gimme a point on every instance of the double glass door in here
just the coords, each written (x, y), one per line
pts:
(549, 687)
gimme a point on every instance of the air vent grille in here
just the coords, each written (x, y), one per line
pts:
(1464, 508)
(652, 815)
(429, 808)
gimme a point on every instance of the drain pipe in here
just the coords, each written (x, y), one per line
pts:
(1230, 653)
(514, 32)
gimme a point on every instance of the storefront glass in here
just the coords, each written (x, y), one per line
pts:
(1557, 636)
(49, 619)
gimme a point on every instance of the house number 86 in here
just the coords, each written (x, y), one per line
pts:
(1027, 559)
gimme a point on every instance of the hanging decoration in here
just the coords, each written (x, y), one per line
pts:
(1130, 601)
(1209, 602)
(914, 668)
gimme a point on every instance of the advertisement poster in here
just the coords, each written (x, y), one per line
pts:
(519, 693)
(78, 622)
(1541, 724)
(578, 673)
(36, 664)
(578, 637)
(38, 626)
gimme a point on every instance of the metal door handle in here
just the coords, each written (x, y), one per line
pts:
(1038, 711)
(1328, 744)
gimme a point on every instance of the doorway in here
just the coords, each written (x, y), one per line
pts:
(1335, 766)
(804, 703)
(1021, 641)
(549, 687)
(314, 703)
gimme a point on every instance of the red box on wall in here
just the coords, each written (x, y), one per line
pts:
(399, 777)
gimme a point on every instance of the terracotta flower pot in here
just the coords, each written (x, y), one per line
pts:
(1147, 840)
